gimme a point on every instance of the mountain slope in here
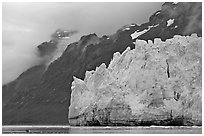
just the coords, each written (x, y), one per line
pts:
(53, 89)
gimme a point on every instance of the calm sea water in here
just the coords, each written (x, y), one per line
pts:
(92, 130)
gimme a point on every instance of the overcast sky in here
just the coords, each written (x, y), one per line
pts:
(26, 25)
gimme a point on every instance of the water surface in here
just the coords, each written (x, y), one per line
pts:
(92, 130)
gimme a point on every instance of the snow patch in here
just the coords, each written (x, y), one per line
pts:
(175, 2)
(132, 25)
(153, 26)
(126, 29)
(169, 22)
(136, 33)
(157, 13)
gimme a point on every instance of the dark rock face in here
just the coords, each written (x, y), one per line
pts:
(23, 83)
(52, 90)
(17, 93)
(47, 48)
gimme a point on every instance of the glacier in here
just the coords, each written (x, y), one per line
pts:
(157, 83)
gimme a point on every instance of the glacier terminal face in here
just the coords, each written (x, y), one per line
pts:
(154, 84)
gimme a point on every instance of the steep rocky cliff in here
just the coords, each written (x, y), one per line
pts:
(154, 84)
(47, 99)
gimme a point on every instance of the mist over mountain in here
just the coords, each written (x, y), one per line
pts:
(27, 25)
(49, 51)
(41, 94)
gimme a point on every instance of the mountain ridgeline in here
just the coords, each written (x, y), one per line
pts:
(41, 95)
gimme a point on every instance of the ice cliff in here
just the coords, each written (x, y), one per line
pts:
(154, 84)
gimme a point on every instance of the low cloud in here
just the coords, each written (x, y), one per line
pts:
(48, 51)
(27, 25)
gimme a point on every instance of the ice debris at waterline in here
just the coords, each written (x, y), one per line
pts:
(154, 84)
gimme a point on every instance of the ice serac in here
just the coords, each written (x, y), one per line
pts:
(154, 84)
